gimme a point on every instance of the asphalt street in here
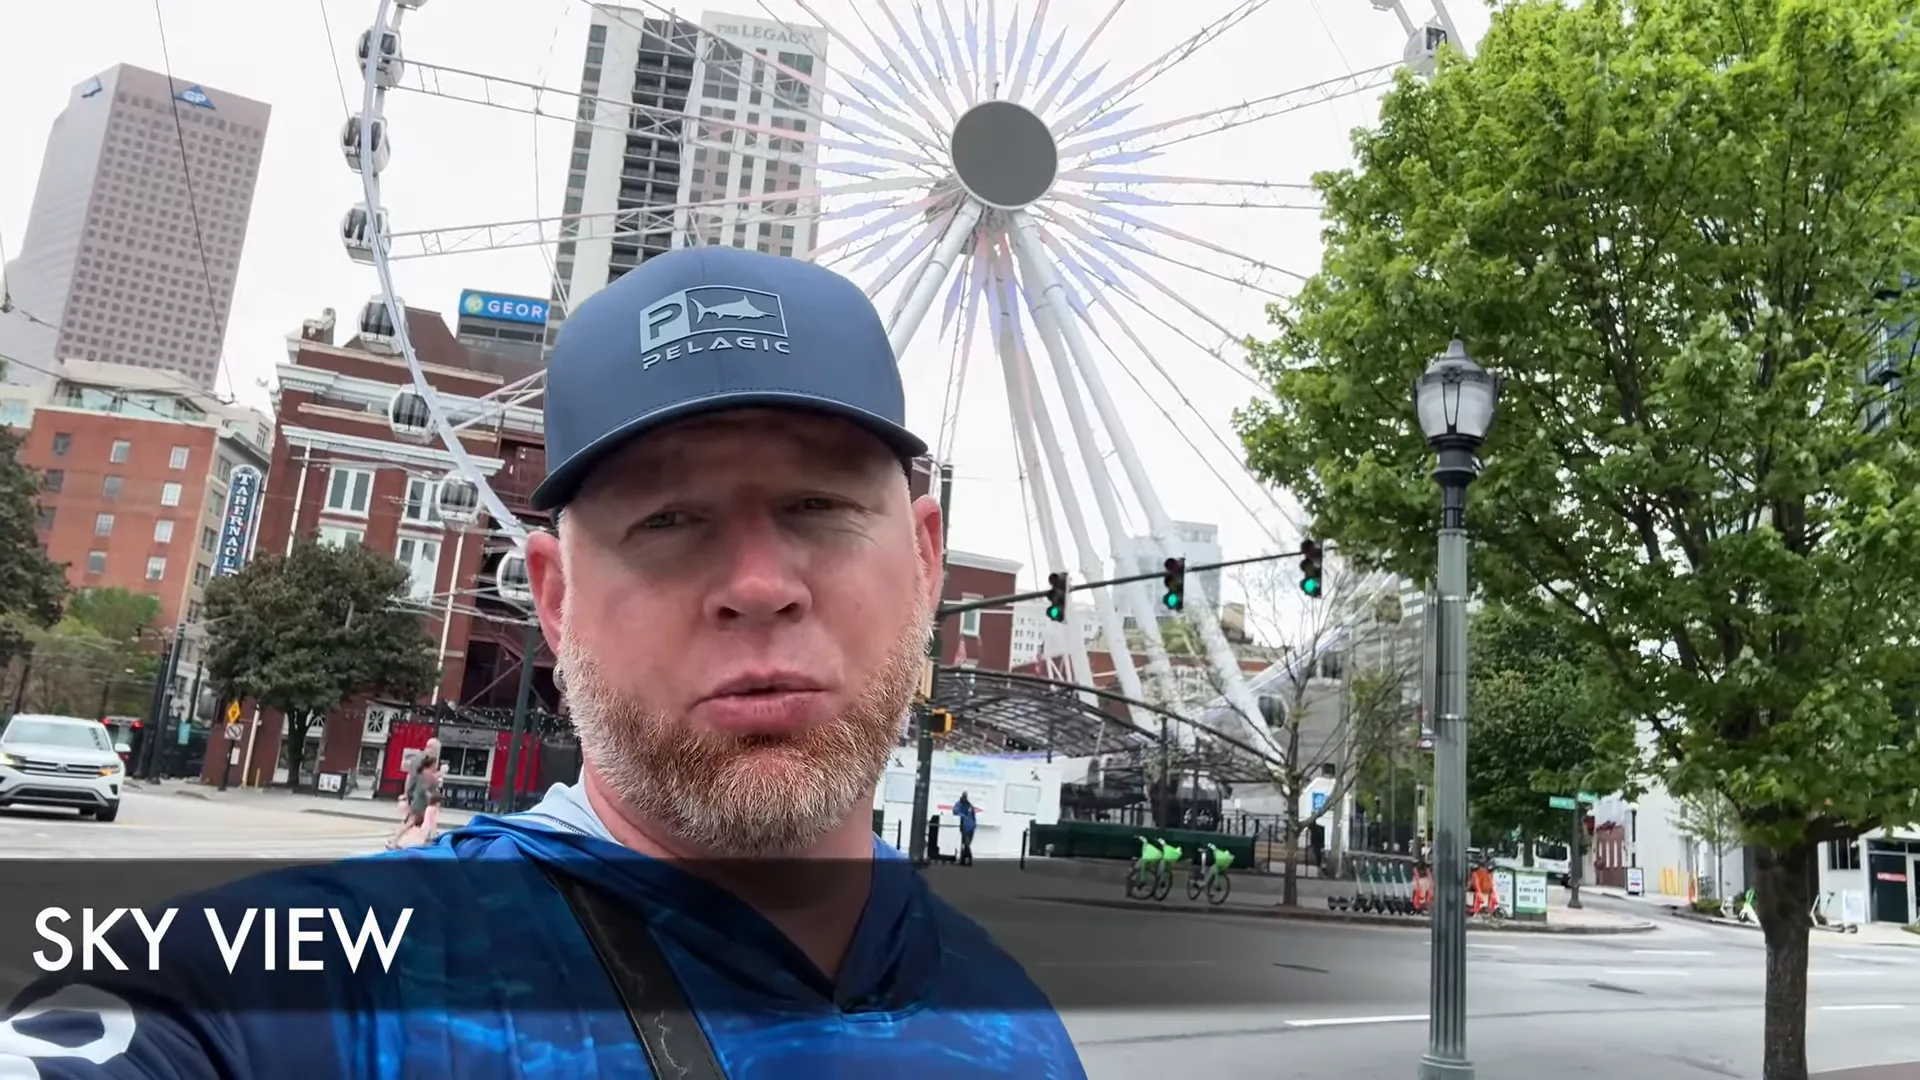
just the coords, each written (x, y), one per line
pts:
(1155, 993)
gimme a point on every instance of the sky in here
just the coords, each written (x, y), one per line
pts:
(456, 164)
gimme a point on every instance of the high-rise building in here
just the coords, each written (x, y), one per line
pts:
(503, 333)
(1196, 542)
(137, 224)
(637, 171)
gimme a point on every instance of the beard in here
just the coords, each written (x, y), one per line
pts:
(733, 796)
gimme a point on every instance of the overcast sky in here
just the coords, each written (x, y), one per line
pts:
(456, 165)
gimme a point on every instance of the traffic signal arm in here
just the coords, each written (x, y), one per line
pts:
(946, 610)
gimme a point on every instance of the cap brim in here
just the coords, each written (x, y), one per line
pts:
(561, 483)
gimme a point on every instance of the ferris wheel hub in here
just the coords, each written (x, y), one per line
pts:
(1004, 155)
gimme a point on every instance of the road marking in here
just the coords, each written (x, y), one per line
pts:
(1857, 958)
(1672, 952)
(1484, 945)
(1348, 1021)
(1851, 973)
(1861, 1008)
(1658, 972)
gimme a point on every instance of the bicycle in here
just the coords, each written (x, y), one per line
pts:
(1208, 874)
(1152, 873)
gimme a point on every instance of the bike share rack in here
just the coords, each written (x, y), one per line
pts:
(1151, 877)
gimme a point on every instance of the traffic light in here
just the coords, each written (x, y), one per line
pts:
(939, 722)
(1057, 597)
(1310, 568)
(1176, 581)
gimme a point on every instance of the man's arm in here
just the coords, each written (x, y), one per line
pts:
(82, 1032)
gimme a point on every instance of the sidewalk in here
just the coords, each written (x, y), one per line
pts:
(1886, 934)
(384, 811)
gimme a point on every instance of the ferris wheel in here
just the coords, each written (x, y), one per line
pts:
(976, 163)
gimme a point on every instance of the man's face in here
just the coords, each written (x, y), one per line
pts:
(740, 605)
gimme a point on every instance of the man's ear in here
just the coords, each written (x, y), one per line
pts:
(547, 575)
(930, 536)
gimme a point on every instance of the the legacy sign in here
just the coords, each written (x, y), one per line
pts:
(243, 495)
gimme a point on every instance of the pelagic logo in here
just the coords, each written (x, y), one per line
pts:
(712, 317)
(195, 96)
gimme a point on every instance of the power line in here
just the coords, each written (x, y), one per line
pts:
(193, 203)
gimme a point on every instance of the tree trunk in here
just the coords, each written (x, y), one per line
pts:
(1290, 831)
(1783, 897)
(296, 752)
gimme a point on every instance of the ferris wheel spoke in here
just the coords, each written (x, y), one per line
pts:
(1027, 45)
(962, 70)
(929, 72)
(1167, 61)
(897, 216)
(1100, 215)
(898, 97)
(1214, 121)
(1113, 255)
(991, 32)
(924, 87)
(1059, 82)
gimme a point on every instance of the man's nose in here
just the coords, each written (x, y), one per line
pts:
(761, 579)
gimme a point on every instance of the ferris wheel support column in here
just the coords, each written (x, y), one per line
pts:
(1047, 320)
(1026, 419)
(446, 617)
(1220, 653)
(927, 286)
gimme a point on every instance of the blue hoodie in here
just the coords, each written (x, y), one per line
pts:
(495, 980)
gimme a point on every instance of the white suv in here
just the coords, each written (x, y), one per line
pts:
(61, 761)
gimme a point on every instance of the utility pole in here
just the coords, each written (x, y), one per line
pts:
(156, 709)
(529, 648)
(923, 736)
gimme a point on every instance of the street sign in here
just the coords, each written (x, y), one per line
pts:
(1319, 803)
(1636, 881)
(1562, 802)
(1588, 797)
(233, 732)
(233, 712)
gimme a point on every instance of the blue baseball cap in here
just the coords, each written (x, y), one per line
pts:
(707, 329)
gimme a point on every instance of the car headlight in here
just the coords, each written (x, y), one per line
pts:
(110, 770)
(9, 759)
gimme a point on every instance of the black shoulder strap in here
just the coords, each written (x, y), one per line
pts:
(676, 1046)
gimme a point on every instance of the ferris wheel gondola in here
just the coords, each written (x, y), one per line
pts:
(389, 66)
(458, 499)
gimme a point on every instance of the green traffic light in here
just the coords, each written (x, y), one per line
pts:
(1173, 601)
(1053, 613)
(1310, 586)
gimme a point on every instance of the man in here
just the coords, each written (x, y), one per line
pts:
(739, 592)
(969, 821)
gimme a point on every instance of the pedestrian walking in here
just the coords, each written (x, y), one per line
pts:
(969, 820)
(416, 795)
(738, 589)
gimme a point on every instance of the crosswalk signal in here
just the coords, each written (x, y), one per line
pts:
(1057, 597)
(1310, 568)
(939, 722)
(1176, 582)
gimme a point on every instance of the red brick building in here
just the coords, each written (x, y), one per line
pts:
(135, 465)
(341, 474)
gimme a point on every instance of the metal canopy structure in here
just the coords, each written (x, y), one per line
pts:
(998, 712)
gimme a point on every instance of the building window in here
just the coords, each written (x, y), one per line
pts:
(349, 490)
(421, 557)
(122, 449)
(54, 481)
(423, 502)
(200, 573)
(467, 760)
(157, 568)
(163, 531)
(341, 536)
(170, 495)
(194, 608)
(96, 562)
(103, 525)
(62, 442)
(110, 487)
(970, 620)
(177, 459)
(209, 541)
(1843, 855)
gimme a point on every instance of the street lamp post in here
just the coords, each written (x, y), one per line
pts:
(1455, 401)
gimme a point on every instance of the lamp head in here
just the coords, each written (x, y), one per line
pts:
(1455, 399)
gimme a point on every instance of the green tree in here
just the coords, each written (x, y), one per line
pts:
(1544, 723)
(1710, 818)
(1673, 226)
(117, 614)
(33, 588)
(303, 633)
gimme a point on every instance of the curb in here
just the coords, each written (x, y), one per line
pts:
(1348, 918)
(1708, 920)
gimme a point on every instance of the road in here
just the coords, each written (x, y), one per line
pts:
(1159, 994)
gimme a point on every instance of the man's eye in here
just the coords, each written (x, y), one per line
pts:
(817, 503)
(665, 519)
